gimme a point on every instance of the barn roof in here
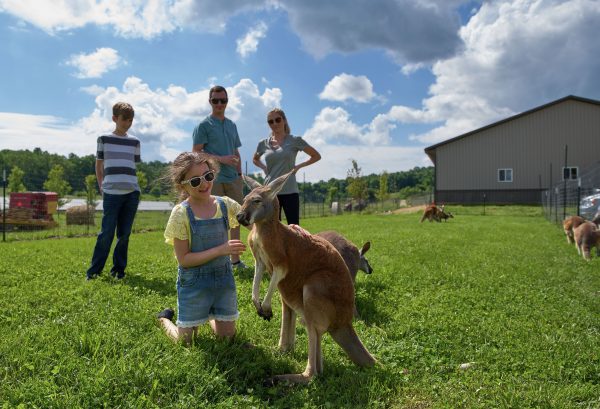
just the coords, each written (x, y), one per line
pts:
(431, 150)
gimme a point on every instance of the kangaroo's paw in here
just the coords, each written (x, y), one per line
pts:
(289, 379)
(265, 314)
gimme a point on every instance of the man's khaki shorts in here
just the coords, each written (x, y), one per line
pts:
(234, 190)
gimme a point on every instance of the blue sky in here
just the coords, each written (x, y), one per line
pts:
(372, 80)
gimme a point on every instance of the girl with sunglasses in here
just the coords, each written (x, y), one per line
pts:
(280, 150)
(198, 230)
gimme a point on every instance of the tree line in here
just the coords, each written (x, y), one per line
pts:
(41, 170)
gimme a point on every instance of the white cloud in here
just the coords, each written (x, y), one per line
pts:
(249, 43)
(344, 87)
(334, 126)
(129, 18)
(95, 64)
(410, 31)
(164, 119)
(336, 160)
(517, 55)
(51, 134)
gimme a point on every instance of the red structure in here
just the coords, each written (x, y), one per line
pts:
(30, 211)
(43, 204)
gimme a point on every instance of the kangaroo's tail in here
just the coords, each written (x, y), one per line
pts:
(423, 217)
(347, 338)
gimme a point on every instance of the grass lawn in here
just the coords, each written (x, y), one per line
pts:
(502, 292)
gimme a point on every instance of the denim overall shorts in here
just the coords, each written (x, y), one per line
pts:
(206, 292)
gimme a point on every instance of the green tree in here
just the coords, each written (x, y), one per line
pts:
(357, 185)
(142, 180)
(155, 191)
(90, 190)
(15, 180)
(382, 193)
(56, 183)
(332, 194)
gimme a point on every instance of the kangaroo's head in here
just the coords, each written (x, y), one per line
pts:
(364, 265)
(261, 203)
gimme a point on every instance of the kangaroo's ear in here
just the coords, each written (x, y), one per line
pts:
(276, 185)
(251, 183)
(365, 248)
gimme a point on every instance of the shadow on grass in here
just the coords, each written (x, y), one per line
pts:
(367, 300)
(158, 285)
(247, 369)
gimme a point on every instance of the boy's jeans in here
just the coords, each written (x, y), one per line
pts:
(119, 212)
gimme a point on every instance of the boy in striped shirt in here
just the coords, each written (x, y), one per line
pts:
(116, 157)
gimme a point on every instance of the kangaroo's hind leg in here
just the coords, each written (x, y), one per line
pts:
(314, 365)
(287, 335)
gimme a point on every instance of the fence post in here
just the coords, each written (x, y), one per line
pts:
(484, 204)
(578, 195)
(556, 205)
(4, 204)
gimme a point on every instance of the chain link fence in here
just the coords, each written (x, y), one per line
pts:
(576, 197)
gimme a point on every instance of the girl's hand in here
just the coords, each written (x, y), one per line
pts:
(300, 230)
(233, 247)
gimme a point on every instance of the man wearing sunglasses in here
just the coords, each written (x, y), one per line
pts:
(218, 136)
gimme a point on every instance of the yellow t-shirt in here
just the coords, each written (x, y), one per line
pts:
(178, 226)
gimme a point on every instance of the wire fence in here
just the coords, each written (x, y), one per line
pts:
(38, 215)
(573, 197)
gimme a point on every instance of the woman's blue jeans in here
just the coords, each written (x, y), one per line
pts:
(119, 212)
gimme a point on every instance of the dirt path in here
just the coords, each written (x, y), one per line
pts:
(413, 209)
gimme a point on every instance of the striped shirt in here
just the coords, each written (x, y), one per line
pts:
(120, 154)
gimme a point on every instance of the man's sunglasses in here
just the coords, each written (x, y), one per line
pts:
(216, 101)
(196, 180)
(271, 121)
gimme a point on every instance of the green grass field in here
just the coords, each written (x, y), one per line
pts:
(505, 293)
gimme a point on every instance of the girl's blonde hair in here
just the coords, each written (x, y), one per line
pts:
(279, 111)
(182, 164)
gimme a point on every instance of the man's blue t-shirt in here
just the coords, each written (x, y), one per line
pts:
(219, 138)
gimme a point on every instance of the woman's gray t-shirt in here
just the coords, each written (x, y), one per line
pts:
(282, 159)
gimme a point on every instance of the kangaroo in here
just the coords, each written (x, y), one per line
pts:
(311, 277)
(355, 260)
(570, 224)
(442, 214)
(430, 213)
(586, 236)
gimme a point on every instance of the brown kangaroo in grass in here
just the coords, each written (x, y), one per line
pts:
(586, 236)
(311, 277)
(570, 224)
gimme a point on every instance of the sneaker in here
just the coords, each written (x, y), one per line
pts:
(167, 313)
(119, 275)
(92, 276)
(239, 266)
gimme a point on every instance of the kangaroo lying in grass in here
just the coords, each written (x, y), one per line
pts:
(570, 224)
(587, 236)
(355, 260)
(311, 277)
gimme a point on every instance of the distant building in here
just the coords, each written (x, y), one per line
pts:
(514, 160)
